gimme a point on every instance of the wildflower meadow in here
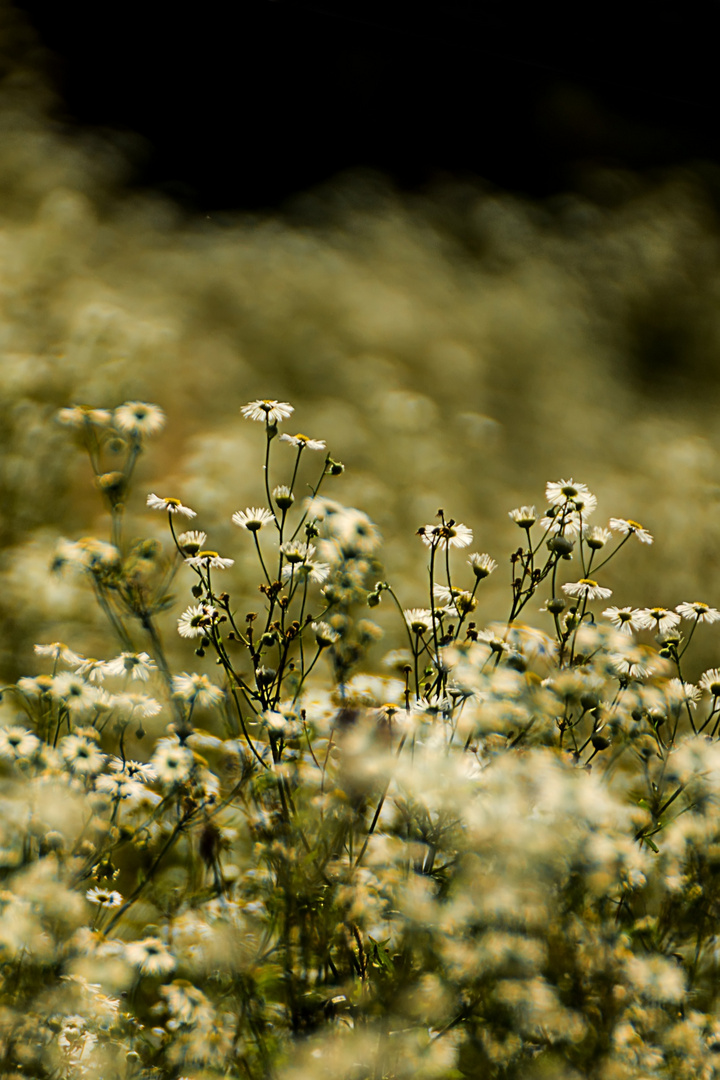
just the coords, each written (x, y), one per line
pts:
(386, 751)
(248, 839)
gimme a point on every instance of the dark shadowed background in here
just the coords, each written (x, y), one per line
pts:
(240, 105)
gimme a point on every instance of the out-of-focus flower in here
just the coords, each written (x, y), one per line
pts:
(172, 763)
(82, 754)
(150, 956)
(197, 688)
(139, 419)
(58, 651)
(17, 743)
(134, 665)
(79, 415)
(77, 695)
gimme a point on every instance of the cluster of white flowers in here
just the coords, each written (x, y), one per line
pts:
(498, 857)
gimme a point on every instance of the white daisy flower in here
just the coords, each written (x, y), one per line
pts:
(82, 754)
(302, 442)
(283, 496)
(172, 506)
(99, 555)
(680, 693)
(76, 694)
(209, 559)
(418, 619)
(79, 415)
(586, 589)
(135, 705)
(191, 541)
(253, 518)
(324, 634)
(625, 526)
(58, 651)
(631, 663)
(119, 786)
(596, 537)
(17, 743)
(172, 762)
(352, 530)
(267, 411)
(698, 611)
(558, 492)
(36, 686)
(623, 618)
(138, 418)
(197, 688)
(136, 770)
(104, 897)
(135, 665)
(150, 956)
(482, 565)
(313, 571)
(567, 523)
(710, 681)
(91, 669)
(456, 601)
(196, 620)
(297, 552)
(524, 516)
(449, 534)
(657, 618)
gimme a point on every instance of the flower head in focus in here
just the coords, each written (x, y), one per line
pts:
(253, 518)
(657, 618)
(209, 559)
(563, 491)
(698, 612)
(302, 442)
(267, 411)
(626, 527)
(173, 506)
(586, 589)
(447, 534)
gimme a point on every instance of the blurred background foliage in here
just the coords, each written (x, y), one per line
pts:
(457, 346)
